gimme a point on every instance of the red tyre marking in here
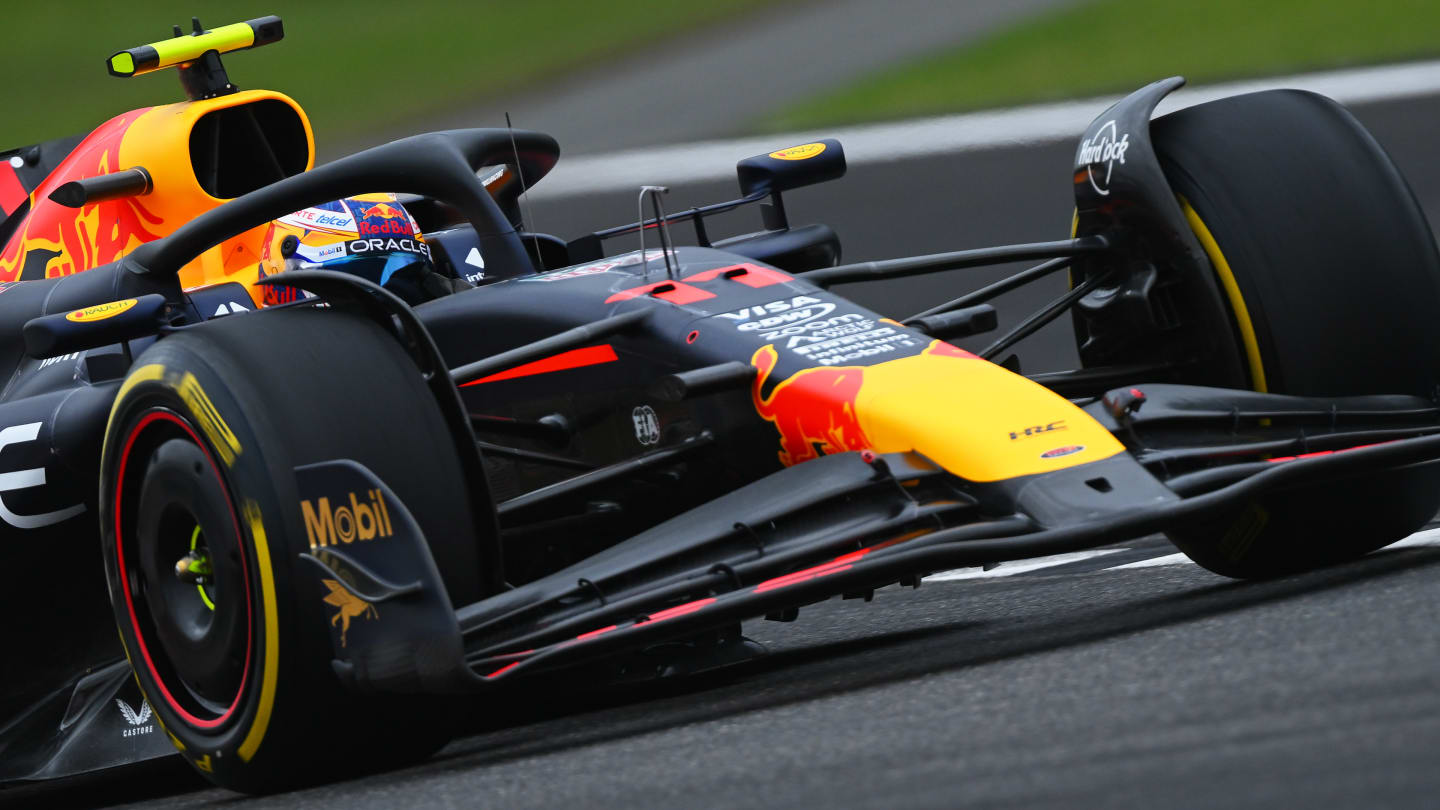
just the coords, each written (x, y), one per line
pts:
(145, 421)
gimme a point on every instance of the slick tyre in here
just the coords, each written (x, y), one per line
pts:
(1332, 280)
(199, 466)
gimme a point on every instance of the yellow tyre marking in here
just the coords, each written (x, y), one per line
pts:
(1232, 292)
(1074, 228)
(149, 372)
(209, 418)
(272, 635)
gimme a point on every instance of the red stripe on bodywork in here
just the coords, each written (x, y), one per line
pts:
(836, 565)
(502, 670)
(753, 275)
(12, 193)
(575, 358)
(1322, 453)
(675, 293)
(681, 610)
(593, 633)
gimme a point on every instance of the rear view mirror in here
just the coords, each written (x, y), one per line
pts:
(792, 167)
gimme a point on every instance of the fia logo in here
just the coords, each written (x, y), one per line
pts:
(647, 425)
(139, 721)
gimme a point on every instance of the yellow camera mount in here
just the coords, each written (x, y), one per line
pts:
(197, 54)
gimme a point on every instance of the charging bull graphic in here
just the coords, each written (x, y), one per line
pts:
(55, 240)
(907, 404)
(381, 210)
(814, 410)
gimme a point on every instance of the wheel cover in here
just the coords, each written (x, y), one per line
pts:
(178, 695)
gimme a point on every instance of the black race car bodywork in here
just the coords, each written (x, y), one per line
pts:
(623, 458)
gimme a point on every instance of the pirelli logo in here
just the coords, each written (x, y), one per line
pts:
(209, 419)
(359, 517)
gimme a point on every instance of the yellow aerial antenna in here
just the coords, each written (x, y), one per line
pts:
(197, 54)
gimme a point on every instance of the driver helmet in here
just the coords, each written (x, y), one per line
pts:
(369, 235)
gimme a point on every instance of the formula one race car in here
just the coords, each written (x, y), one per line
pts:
(318, 520)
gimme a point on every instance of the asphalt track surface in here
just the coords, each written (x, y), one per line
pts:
(1122, 679)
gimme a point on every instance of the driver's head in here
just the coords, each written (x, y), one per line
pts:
(371, 236)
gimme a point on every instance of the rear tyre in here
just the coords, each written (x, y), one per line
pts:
(199, 465)
(1333, 284)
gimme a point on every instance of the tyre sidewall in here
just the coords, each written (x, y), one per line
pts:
(289, 653)
(1335, 262)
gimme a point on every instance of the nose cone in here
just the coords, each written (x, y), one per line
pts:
(975, 419)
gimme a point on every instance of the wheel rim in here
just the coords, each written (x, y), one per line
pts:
(171, 501)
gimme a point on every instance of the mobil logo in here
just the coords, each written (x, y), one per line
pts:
(353, 517)
(813, 410)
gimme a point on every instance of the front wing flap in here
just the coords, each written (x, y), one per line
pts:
(727, 593)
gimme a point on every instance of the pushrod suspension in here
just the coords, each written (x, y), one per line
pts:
(954, 260)
(989, 291)
(1032, 324)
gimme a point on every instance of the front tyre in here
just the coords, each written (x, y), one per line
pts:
(1333, 284)
(201, 528)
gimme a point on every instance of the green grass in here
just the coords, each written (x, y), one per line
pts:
(1106, 46)
(351, 64)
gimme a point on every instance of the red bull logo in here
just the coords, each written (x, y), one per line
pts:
(382, 210)
(383, 219)
(814, 410)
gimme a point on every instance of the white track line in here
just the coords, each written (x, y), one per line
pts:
(1429, 537)
(880, 143)
(1168, 559)
(1020, 566)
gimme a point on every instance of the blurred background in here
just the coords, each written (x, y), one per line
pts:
(682, 71)
(643, 79)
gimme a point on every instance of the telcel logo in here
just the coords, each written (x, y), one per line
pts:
(360, 519)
